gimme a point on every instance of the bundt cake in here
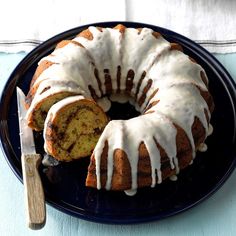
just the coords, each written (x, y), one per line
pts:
(167, 87)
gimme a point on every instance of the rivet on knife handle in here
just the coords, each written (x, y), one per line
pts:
(34, 194)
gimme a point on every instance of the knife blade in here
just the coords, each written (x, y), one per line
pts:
(30, 160)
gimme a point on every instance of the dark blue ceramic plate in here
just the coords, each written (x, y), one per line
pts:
(64, 185)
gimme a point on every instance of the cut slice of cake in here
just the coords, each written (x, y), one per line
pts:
(73, 127)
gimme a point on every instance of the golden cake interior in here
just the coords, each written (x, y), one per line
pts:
(75, 131)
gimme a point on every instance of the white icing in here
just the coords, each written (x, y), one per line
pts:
(130, 192)
(104, 103)
(178, 100)
(173, 178)
(186, 105)
(164, 133)
(210, 130)
(139, 51)
(108, 43)
(202, 147)
(55, 87)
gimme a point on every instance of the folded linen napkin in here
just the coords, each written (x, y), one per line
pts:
(211, 23)
(32, 22)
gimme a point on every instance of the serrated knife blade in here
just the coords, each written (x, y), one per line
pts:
(30, 160)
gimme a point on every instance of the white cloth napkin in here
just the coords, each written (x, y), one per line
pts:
(211, 23)
(26, 23)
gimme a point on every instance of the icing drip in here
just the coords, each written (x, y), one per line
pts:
(104, 103)
(210, 130)
(202, 147)
(109, 44)
(69, 67)
(52, 87)
(130, 192)
(186, 105)
(114, 133)
(173, 178)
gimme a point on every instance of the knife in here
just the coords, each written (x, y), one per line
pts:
(30, 160)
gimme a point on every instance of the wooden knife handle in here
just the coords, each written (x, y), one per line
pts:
(34, 194)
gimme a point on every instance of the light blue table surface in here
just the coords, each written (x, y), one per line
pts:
(215, 216)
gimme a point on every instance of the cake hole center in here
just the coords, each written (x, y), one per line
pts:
(119, 106)
(122, 111)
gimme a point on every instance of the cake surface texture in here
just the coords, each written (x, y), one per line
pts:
(73, 87)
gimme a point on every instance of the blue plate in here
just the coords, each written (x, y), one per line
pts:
(64, 184)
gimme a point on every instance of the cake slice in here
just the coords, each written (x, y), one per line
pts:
(73, 127)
